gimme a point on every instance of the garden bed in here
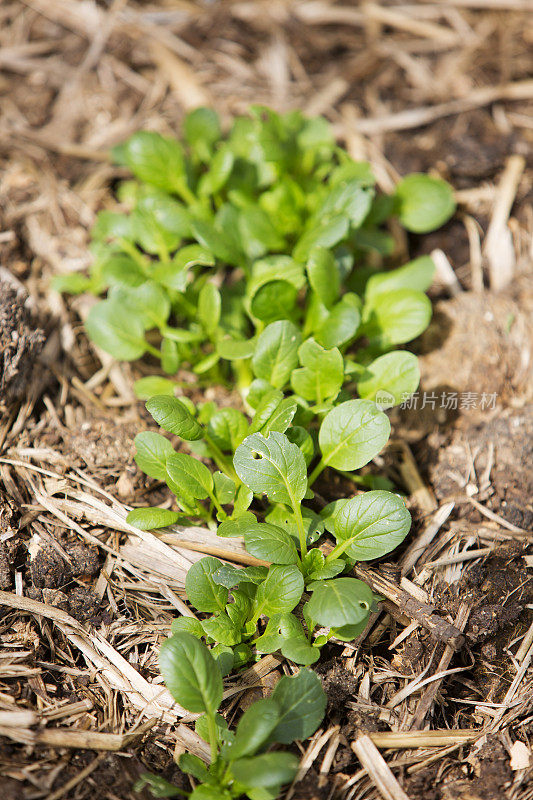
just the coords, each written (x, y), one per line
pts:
(445, 89)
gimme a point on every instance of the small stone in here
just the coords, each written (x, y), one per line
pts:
(84, 559)
(55, 597)
(83, 604)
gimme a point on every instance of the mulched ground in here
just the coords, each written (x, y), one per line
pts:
(427, 86)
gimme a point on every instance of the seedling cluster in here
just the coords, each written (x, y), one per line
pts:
(256, 257)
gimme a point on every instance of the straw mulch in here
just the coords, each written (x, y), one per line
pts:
(442, 682)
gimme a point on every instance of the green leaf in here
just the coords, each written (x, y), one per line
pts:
(216, 177)
(170, 358)
(268, 769)
(273, 466)
(149, 303)
(397, 317)
(216, 241)
(276, 352)
(224, 488)
(159, 787)
(227, 428)
(209, 304)
(190, 475)
(352, 434)
(280, 592)
(321, 375)
(204, 792)
(425, 203)
(152, 453)
(300, 437)
(349, 198)
(115, 330)
(390, 379)
(193, 765)
(274, 301)
(147, 519)
(281, 417)
(187, 625)
(254, 728)
(373, 523)
(202, 591)
(201, 726)
(236, 527)
(222, 630)
(302, 703)
(258, 234)
(300, 651)
(202, 129)
(323, 275)
(155, 159)
(231, 576)
(73, 283)
(417, 274)
(339, 327)
(145, 388)
(270, 543)
(326, 234)
(174, 417)
(235, 349)
(191, 674)
(338, 602)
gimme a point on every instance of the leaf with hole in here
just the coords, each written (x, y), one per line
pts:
(272, 465)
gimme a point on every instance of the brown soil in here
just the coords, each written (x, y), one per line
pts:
(20, 342)
(78, 78)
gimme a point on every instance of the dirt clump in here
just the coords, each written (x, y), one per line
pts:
(500, 448)
(20, 342)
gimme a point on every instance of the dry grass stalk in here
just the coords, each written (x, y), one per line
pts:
(498, 246)
(377, 769)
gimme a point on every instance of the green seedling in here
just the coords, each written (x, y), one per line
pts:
(228, 248)
(270, 464)
(242, 762)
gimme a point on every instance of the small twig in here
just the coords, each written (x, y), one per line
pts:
(440, 629)
(410, 740)
(416, 117)
(495, 517)
(428, 698)
(417, 548)
(377, 769)
(498, 245)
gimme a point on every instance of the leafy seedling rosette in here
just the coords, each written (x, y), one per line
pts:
(297, 597)
(243, 763)
(253, 255)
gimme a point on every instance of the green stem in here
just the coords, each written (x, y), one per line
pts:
(152, 350)
(320, 467)
(213, 736)
(301, 530)
(217, 505)
(138, 257)
(186, 194)
(338, 550)
(220, 460)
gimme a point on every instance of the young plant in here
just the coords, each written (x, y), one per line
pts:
(242, 763)
(364, 527)
(221, 235)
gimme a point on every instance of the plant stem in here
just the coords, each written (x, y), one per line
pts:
(217, 505)
(301, 530)
(320, 467)
(220, 460)
(338, 550)
(153, 350)
(213, 736)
